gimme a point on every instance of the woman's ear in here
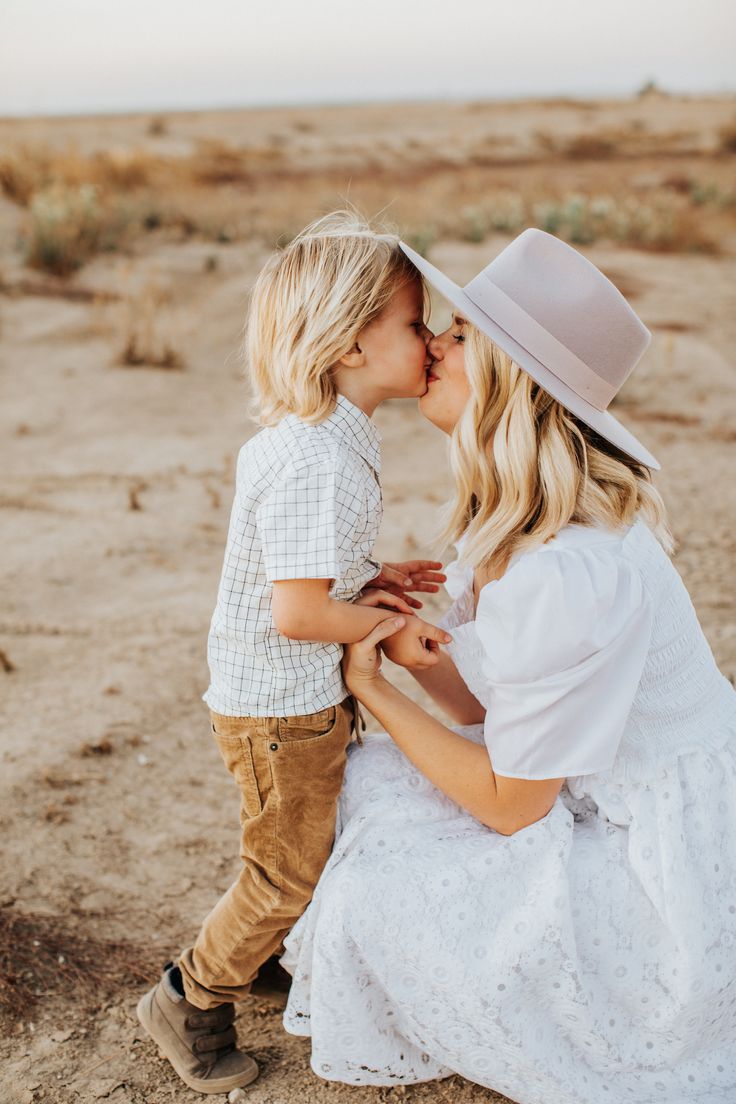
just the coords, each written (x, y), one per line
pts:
(354, 359)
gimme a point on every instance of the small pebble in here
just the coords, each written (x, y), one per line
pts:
(236, 1096)
(143, 760)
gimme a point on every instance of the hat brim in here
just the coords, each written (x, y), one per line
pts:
(599, 420)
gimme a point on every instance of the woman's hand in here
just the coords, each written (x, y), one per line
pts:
(361, 662)
(410, 575)
(376, 596)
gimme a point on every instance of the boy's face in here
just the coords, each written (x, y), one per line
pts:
(395, 347)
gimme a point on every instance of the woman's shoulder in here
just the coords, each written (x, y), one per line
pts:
(563, 601)
(572, 553)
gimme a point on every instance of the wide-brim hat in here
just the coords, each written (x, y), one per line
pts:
(561, 320)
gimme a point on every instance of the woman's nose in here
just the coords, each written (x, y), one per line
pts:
(435, 348)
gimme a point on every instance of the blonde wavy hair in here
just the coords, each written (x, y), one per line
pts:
(308, 305)
(524, 467)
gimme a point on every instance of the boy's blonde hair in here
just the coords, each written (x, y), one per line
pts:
(524, 467)
(308, 305)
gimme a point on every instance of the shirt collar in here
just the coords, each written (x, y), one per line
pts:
(358, 431)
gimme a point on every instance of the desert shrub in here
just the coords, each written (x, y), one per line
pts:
(704, 193)
(474, 225)
(422, 238)
(122, 171)
(158, 126)
(592, 147)
(727, 137)
(680, 183)
(507, 214)
(215, 162)
(664, 224)
(22, 172)
(65, 228)
(149, 337)
(648, 88)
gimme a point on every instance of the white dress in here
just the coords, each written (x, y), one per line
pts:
(590, 957)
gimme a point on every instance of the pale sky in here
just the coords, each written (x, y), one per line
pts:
(59, 56)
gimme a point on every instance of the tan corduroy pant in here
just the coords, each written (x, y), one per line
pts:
(289, 771)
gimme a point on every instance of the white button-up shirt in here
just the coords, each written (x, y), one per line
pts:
(307, 506)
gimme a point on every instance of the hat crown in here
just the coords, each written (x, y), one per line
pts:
(561, 320)
(572, 300)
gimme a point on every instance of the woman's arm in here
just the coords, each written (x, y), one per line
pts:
(458, 767)
(446, 687)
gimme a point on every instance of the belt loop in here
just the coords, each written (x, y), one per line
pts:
(358, 719)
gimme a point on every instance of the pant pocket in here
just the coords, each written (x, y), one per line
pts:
(309, 727)
(237, 754)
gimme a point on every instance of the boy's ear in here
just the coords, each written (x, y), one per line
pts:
(354, 359)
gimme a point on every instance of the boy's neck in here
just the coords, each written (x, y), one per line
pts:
(358, 397)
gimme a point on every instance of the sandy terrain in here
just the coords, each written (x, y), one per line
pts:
(119, 823)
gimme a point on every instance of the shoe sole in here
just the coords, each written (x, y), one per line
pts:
(223, 1085)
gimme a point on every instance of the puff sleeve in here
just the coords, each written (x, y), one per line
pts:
(565, 634)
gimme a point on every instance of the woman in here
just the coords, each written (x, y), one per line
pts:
(544, 898)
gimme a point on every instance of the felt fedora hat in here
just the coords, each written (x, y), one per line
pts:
(561, 320)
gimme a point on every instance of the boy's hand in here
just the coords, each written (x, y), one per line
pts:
(416, 645)
(421, 575)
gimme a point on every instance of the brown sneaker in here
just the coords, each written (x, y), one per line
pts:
(200, 1045)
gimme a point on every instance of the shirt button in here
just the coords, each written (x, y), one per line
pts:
(274, 747)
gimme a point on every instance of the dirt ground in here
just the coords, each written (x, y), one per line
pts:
(119, 823)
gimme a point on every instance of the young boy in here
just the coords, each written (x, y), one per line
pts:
(336, 326)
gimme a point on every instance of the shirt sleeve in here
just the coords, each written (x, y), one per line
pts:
(458, 584)
(565, 635)
(308, 520)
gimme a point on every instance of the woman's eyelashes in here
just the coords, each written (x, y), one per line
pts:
(460, 338)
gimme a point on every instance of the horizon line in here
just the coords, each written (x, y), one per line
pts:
(290, 105)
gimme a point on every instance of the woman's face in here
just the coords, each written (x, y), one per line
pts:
(448, 389)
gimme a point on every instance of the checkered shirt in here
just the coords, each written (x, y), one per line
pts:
(307, 506)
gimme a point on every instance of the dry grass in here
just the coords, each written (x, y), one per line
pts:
(727, 136)
(44, 956)
(82, 204)
(68, 224)
(662, 225)
(52, 289)
(589, 147)
(604, 143)
(150, 335)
